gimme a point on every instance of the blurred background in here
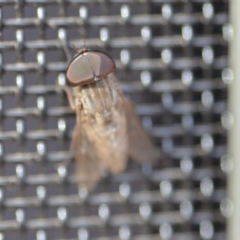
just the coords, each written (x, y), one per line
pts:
(172, 61)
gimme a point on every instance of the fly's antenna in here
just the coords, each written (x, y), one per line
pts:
(80, 50)
(76, 48)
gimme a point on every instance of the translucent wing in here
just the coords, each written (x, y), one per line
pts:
(141, 147)
(88, 167)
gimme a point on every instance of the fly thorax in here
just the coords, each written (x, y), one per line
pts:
(77, 96)
(103, 118)
(78, 102)
(88, 104)
(99, 97)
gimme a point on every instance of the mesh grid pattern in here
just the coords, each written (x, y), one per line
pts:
(171, 59)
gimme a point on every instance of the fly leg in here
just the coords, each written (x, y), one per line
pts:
(69, 57)
(70, 98)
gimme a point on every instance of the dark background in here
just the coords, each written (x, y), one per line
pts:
(172, 61)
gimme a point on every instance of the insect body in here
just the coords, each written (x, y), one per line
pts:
(107, 131)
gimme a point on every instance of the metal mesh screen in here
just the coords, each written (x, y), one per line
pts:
(172, 61)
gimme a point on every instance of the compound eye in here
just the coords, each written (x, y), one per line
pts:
(101, 64)
(89, 66)
(79, 71)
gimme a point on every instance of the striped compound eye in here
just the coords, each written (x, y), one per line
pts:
(89, 66)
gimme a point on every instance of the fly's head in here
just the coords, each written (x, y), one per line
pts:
(89, 66)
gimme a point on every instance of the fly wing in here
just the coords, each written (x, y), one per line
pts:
(141, 147)
(88, 168)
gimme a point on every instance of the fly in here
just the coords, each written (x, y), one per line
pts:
(107, 130)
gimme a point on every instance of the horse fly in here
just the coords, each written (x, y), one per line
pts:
(107, 129)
